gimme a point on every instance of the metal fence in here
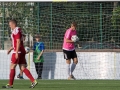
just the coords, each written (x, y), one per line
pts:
(98, 22)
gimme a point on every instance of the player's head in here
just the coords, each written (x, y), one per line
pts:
(12, 23)
(37, 38)
(73, 25)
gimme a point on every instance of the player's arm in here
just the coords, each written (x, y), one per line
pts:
(18, 37)
(9, 50)
(67, 37)
(17, 48)
(42, 47)
(18, 41)
(18, 45)
(69, 41)
(40, 54)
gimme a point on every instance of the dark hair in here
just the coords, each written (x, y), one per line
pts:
(74, 24)
(37, 36)
(13, 21)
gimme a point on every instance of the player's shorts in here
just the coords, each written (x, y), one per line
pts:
(21, 58)
(69, 54)
(13, 58)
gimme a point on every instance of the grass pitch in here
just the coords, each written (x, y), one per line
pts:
(65, 85)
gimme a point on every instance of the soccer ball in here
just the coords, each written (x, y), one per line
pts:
(74, 38)
(27, 49)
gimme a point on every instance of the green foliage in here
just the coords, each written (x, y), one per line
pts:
(22, 12)
(116, 17)
(51, 20)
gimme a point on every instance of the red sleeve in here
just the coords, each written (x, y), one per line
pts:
(18, 34)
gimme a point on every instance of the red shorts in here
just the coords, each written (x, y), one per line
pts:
(21, 59)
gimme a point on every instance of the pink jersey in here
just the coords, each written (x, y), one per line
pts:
(17, 34)
(68, 34)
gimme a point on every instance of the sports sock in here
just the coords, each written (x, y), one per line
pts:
(72, 68)
(68, 69)
(28, 74)
(11, 77)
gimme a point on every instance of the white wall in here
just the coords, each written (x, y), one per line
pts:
(91, 65)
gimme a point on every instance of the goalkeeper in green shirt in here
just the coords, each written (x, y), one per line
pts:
(38, 58)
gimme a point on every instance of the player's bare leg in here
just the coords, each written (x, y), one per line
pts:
(20, 75)
(11, 77)
(73, 66)
(29, 75)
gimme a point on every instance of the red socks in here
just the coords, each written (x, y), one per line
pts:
(28, 74)
(12, 75)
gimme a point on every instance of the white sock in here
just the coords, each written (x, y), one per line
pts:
(72, 68)
(68, 69)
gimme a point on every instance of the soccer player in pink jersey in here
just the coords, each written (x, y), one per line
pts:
(69, 50)
(18, 56)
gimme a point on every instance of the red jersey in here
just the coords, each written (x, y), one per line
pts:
(17, 34)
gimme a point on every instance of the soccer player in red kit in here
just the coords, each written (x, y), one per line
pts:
(18, 56)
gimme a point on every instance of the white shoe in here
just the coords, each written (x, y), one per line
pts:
(71, 77)
(33, 84)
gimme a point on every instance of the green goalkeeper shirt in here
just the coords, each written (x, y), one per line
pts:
(38, 47)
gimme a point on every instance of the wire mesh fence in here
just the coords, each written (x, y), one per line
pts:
(98, 22)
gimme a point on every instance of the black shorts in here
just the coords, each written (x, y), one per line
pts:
(69, 54)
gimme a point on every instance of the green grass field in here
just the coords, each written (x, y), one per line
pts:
(66, 85)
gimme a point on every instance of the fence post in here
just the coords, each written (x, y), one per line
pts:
(38, 15)
(101, 24)
(3, 26)
(51, 27)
